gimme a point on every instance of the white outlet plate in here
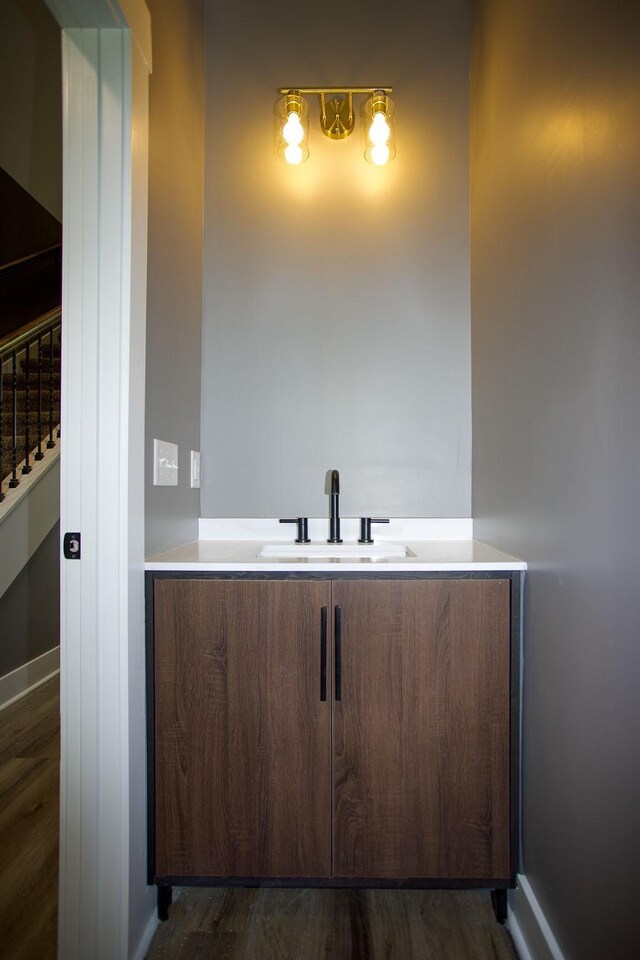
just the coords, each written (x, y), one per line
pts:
(165, 464)
(195, 468)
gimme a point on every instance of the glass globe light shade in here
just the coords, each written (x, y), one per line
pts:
(379, 129)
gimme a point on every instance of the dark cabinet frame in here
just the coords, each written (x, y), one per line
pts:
(498, 885)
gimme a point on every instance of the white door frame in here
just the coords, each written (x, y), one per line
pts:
(105, 908)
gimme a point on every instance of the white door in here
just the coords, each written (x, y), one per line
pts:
(105, 907)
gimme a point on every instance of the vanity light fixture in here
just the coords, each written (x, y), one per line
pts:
(337, 121)
(292, 127)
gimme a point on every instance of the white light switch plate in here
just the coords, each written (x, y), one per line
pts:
(165, 464)
(195, 468)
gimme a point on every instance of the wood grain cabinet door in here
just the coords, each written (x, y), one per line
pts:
(243, 738)
(421, 732)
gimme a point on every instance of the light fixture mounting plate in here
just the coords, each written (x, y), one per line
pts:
(337, 118)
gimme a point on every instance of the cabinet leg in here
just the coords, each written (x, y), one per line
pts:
(499, 903)
(164, 899)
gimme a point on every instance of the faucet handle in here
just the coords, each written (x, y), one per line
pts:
(365, 528)
(302, 529)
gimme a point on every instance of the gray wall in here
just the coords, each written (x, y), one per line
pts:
(31, 100)
(30, 608)
(336, 319)
(556, 392)
(174, 293)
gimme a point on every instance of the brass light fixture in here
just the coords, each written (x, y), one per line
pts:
(292, 127)
(337, 121)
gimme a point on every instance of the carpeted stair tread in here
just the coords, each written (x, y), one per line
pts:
(21, 388)
(21, 398)
(44, 363)
(7, 423)
(7, 408)
(21, 373)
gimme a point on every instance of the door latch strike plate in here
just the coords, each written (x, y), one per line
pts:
(71, 546)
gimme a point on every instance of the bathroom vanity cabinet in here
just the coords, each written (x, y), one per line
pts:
(242, 737)
(344, 731)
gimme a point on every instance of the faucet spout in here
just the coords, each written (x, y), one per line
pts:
(334, 507)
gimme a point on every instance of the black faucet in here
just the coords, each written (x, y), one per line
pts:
(333, 478)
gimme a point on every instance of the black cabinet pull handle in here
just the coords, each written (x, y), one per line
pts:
(323, 653)
(338, 651)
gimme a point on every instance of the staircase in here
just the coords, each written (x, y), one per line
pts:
(30, 370)
(30, 318)
(30, 294)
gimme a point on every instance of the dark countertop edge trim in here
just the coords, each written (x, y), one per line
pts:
(177, 574)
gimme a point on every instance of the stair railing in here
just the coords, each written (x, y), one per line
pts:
(37, 341)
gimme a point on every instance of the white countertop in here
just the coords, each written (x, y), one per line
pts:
(243, 555)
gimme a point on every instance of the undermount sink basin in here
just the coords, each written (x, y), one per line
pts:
(334, 551)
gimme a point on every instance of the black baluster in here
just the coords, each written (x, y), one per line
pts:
(60, 375)
(14, 419)
(51, 442)
(27, 466)
(39, 455)
(1, 417)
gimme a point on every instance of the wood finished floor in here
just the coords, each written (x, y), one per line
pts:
(266, 924)
(210, 924)
(29, 810)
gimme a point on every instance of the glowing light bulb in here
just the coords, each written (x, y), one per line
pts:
(379, 131)
(293, 153)
(379, 154)
(293, 132)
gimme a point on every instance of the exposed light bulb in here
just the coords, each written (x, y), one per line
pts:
(379, 154)
(293, 132)
(379, 131)
(293, 153)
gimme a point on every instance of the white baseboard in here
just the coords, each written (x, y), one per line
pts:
(30, 675)
(146, 938)
(528, 926)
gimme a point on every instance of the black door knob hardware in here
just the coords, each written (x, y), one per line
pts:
(302, 528)
(365, 528)
(71, 546)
